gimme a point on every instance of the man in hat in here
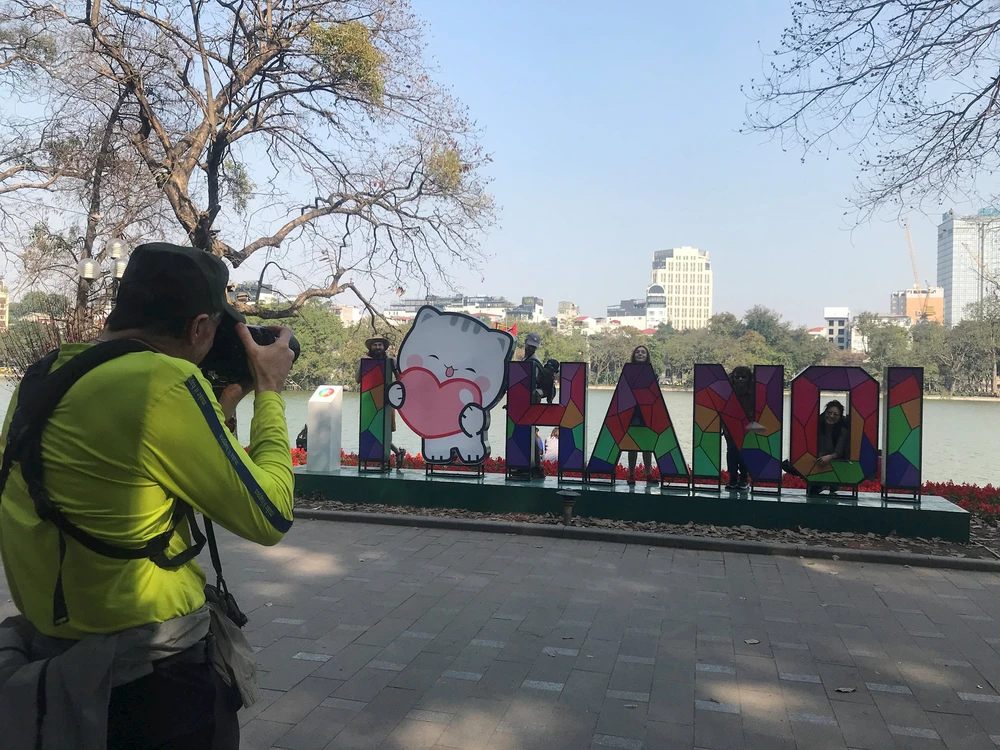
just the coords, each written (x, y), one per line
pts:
(531, 344)
(378, 348)
(103, 571)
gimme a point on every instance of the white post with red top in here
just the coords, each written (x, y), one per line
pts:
(324, 418)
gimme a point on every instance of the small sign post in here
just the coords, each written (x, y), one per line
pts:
(324, 417)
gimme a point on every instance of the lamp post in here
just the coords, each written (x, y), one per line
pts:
(91, 269)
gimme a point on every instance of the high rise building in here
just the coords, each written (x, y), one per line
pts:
(680, 289)
(968, 266)
(838, 326)
(926, 303)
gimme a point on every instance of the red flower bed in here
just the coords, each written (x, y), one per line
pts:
(983, 502)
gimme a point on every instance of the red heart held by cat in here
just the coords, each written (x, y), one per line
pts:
(432, 408)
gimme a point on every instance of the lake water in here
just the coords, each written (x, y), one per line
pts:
(958, 435)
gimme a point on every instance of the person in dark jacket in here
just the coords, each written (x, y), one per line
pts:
(640, 355)
(833, 444)
(739, 477)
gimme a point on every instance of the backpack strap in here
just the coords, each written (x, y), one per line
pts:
(40, 392)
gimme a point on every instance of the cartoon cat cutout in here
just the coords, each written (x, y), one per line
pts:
(453, 370)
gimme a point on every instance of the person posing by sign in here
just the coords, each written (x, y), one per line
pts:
(739, 475)
(378, 348)
(833, 444)
(96, 519)
(640, 355)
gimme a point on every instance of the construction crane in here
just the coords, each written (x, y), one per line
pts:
(916, 274)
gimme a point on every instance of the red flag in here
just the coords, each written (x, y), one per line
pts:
(513, 330)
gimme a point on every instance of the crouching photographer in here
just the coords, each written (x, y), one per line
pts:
(109, 448)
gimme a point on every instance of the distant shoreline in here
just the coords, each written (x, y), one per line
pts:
(787, 392)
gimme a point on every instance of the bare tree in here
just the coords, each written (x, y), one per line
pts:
(263, 123)
(911, 88)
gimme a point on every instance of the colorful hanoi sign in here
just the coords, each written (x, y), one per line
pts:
(376, 416)
(570, 415)
(719, 409)
(904, 415)
(638, 420)
(452, 372)
(862, 391)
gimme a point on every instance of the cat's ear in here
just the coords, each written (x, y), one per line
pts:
(506, 343)
(426, 313)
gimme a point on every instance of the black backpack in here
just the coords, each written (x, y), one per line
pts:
(39, 394)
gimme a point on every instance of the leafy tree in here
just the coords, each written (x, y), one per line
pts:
(322, 114)
(54, 305)
(726, 324)
(933, 352)
(766, 322)
(885, 344)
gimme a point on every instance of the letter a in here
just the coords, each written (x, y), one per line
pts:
(638, 420)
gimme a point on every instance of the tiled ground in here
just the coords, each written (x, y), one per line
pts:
(402, 638)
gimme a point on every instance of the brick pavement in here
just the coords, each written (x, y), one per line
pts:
(404, 639)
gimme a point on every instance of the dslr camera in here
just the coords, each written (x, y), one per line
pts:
(226, 362)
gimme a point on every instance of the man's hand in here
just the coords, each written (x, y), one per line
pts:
(825, 460)
(269, 365)
(231, 396)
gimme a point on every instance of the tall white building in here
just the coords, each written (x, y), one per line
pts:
(968, 260)
(838, 326)
(680, 289)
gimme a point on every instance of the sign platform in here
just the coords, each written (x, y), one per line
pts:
(932, 517)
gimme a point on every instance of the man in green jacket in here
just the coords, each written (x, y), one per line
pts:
(129, 441)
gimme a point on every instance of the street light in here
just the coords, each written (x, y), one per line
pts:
(90, 269)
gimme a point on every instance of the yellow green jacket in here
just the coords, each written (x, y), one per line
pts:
(127, 440)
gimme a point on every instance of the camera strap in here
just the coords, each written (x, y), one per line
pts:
(39, 393)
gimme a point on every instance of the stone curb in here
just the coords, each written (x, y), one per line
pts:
(653, 539)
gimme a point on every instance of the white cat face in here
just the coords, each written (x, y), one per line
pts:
(456, 346)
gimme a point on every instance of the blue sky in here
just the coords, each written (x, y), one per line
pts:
(615, 133)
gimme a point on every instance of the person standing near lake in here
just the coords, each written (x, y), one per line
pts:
(640, 355)
(378, 348)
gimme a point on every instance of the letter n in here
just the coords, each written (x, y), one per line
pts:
(638, 420)
(376, 415)
(570, 415)
(716, 406)
(863, 390)
(902, 458)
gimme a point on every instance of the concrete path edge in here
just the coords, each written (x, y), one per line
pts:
(653, 539)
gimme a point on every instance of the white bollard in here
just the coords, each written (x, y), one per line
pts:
(324, 418)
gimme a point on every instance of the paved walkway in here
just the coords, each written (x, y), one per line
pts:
(402, 638)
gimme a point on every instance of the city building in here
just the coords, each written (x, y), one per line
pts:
(925, 303)
(531, 309)
(628, 313)
(859, 343)
(490, 309)
(350, 315)
(819, 332)
(566, 313)
(968, 261)
(838, 326)
(680, 289)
